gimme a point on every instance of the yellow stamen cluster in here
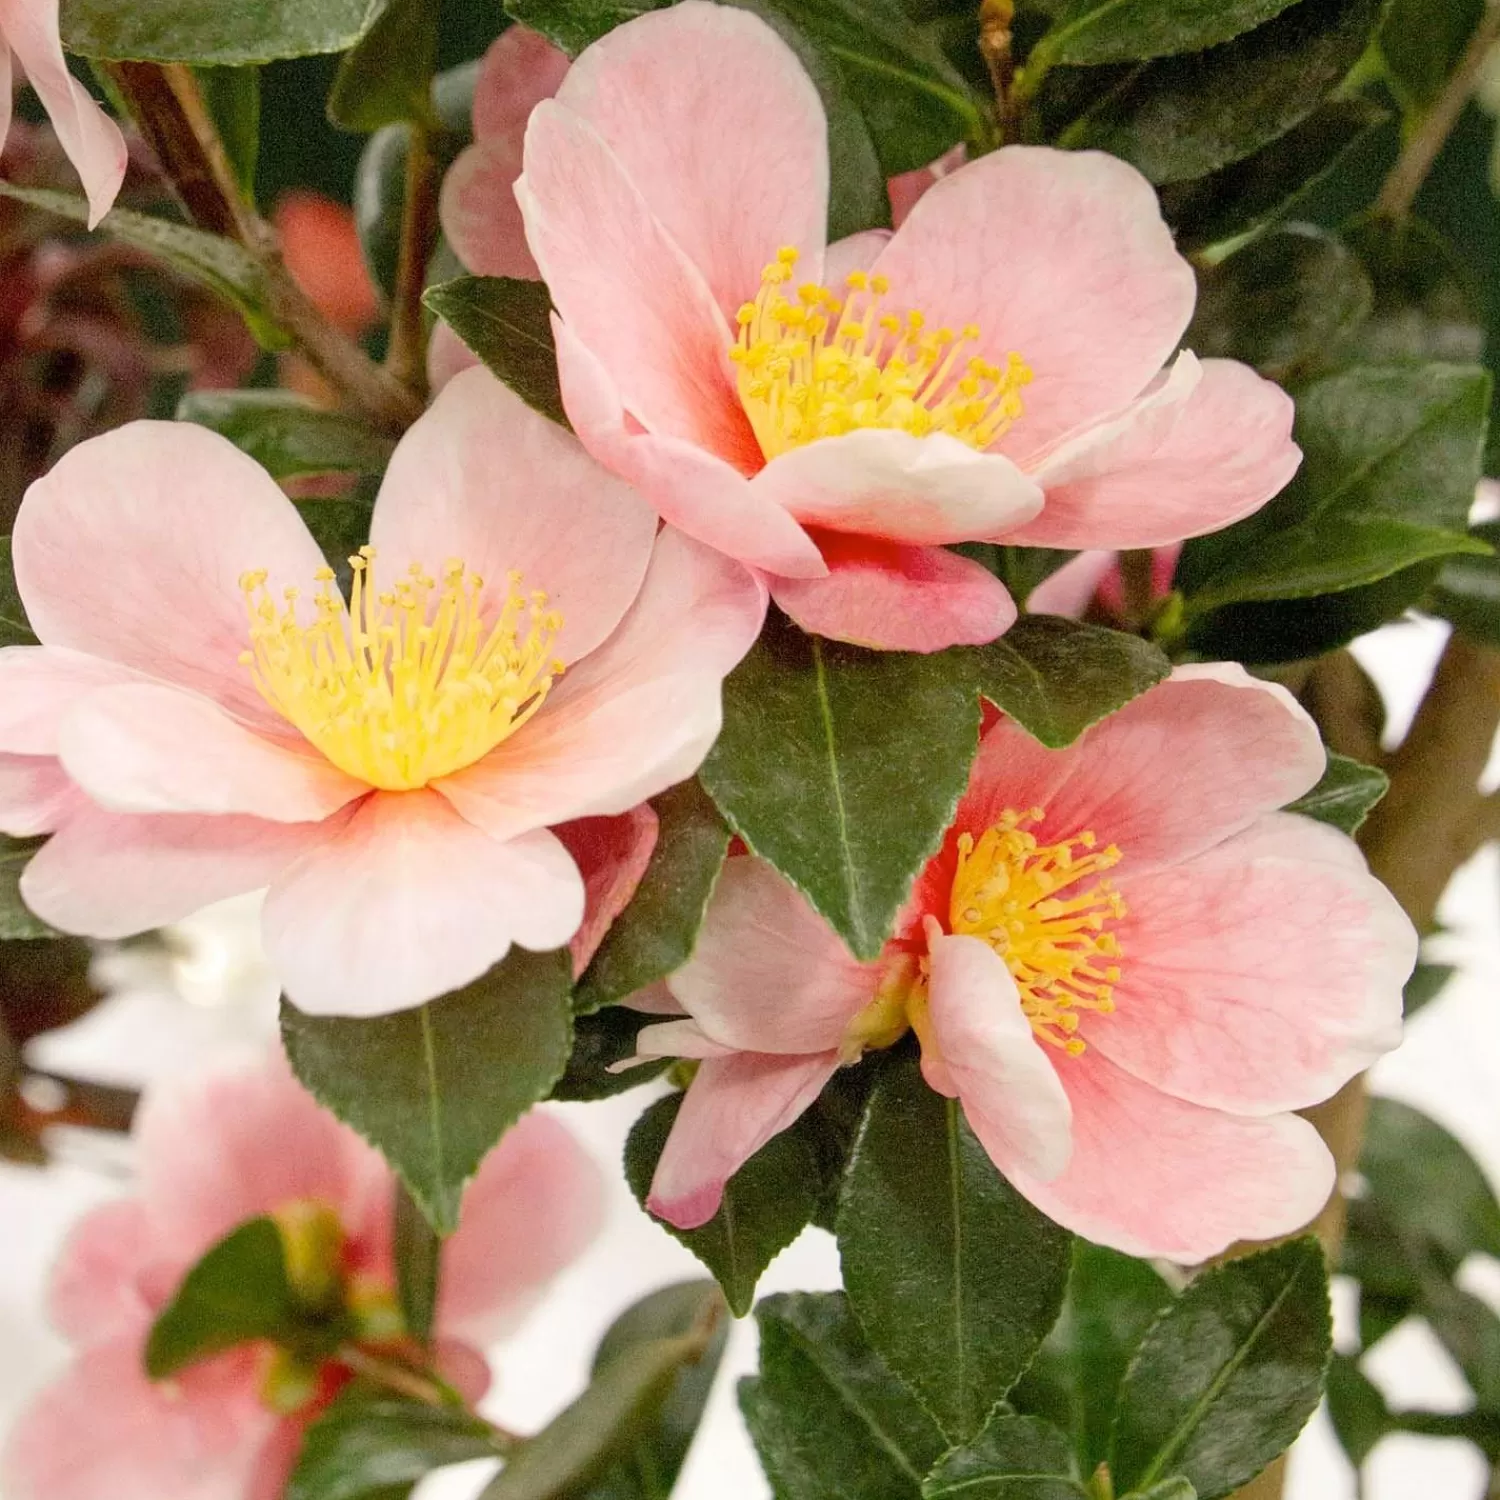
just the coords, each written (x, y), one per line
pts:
(813, 366)
(1014, 893)
(406, 684)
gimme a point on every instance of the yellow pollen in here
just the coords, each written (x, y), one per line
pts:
(404, 684)
(811, 365)
(1023, 899)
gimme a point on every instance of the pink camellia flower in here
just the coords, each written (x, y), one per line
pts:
(213, 1154)
(206, 715)
(837, 415)
(28, 34)
(1124, 962)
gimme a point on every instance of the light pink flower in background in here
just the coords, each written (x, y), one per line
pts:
(212, 1154)
(521, 651)
(837, 415)
(1093, 578)
(28, 35)
(1126, 964)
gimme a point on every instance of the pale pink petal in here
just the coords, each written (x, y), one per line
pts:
(447, 356)
(1007, 1084)
(91, 139)
(36, 795)
(485, 479)
(692, 489)
(1228, 450)
(611, 855)
(855, 252)
(906, 188)
(406, 901)
(149, 748)
(39, 685)
(535, 1205)
(479, 213)
(1071, 589)
(715, 120)
(733, 1106)
(111, 875)
(1154, 1176)
(898, 598)
(1061, 256)
(634, 718)
(462, 1366)
(98, 1290)
(1260, 976)
(767, 973)
(642, 308)
(889, 484)
(133, 546)
(672, 1039)
(655, 1000)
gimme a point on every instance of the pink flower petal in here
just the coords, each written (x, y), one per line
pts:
(1071, 589)
(479, 213)
(97, 1291)
(673, 1039)
(149, 748)
(36, 795)
(715, 120)
(39, 685)
(732, 1108)
(692, 489)
(1260, 976)
(655, 1000)
(133, 546)
(1227, 452)
(611, 855)
(1154, 1176)
(1061, 256)
(855, 252)
(1007, 1083)
(447, 356)
(897, 598)
(108, 875)
(634, 718)
(406, 901)
(485, 479)
(907, 188)
(767, 973)
(520, 69)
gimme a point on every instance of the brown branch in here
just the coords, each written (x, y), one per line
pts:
(1338, 693)
(995, 46)
(406, 360)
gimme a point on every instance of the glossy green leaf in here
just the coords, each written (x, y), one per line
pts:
(600, 1038)
(954, 1276)
(1107, 31)
(655, 934)
(1056, 677)
(507, 323)
(387, 76)
(767, 1203)
(1345, 795)
(418, 1251)
(813, 770)
(1467, 591)
(286, 434)
(436, 1087)
(827, 1417)
(15, 628)
(233, 99)
(1228, 1376)
(16, 918)
(1013, 1458)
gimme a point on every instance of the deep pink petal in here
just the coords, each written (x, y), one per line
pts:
(520, 69)
(485, 479)
(733, 1106)
(715, 120)
(480, 216)
(36, 795)
(39, 685)
(611, 855)
(406, 901)
(898, 598)
(98, 1289)
(1061, 256)
(907, 188)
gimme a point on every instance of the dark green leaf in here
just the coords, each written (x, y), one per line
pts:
(954, 1276)
(286, 434)
(1229, 1375)
(600, 1038)
(507, 323)
(436, 1087)
(1345, 795)
(1360, 1416)
(1422, 42)
(1056, 677)
(387, 77)
(767, 1203)
(655, 934)
(370, 1441)
(813, 769)
(1106, 31)
(1467, 591)
(15, 628)
(1425, 985)
(573, 24)
(16, 918)
(1013, 1458)
(418, 1252)
(826, 1415)
(233, 99)
(379, 200)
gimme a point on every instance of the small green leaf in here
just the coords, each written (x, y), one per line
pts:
(1360, 1414)
(16, 918)
(767, 1203)
(1229, 1375)
(507, 323)
(1422, 42)
(1012, 1458)
(418, 1251)
(813, 769)
(1345, 795)
(1107, 31)
(1467, 591)
(601, 1038)
(655, 934)
(233, 99)
(387, 76)
(826, 1416)
(286, 434)
(435, 1088)
(15, 628)
(955, 1278)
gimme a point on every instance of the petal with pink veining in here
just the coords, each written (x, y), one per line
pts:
(36, 795)
(39, 685)
(611, 855)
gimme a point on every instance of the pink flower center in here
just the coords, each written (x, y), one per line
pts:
(813, 366)
(407, 684)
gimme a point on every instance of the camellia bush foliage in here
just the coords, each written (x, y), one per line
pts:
(821, 592)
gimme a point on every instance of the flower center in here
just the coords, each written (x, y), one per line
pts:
(406, 684)
(1023, 899)
(812, 366)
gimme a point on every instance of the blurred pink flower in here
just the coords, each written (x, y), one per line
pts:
(1093, 578)
(213, 1154)
(1124, 962)
(521, 651)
